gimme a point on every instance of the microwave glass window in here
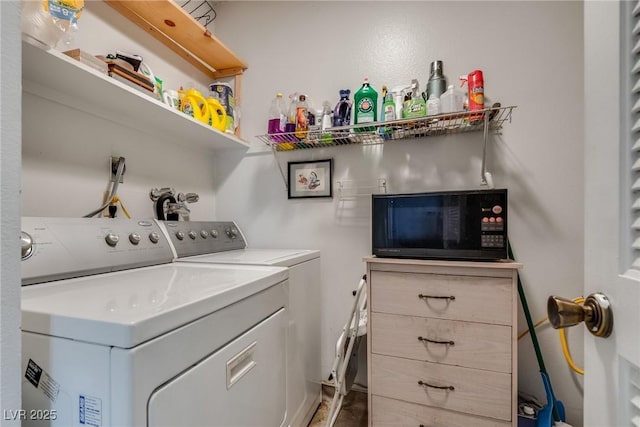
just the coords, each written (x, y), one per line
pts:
(438, 222)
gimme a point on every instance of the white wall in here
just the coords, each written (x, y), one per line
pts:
(532, 56)
(66, 152)
(9, 210)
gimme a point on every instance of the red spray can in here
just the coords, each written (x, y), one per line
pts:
(475, 81)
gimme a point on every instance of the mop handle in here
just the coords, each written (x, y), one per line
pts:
(532, 332)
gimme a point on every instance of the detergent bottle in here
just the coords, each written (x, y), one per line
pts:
(366, 106)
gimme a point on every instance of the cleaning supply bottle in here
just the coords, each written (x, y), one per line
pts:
(414, 105)
(433, 105)
(342, 111)
(475, 86)
(290, 126)
(325, 123)
(388, 106)
(398, 94)
(302, 119)
(475, 83)
(452, 100)
(365, 106)
(277, 115)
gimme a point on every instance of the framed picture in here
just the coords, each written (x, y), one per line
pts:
(310, 179)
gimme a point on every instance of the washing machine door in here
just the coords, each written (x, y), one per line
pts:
(242, 384)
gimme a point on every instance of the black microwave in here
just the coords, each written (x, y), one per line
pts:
(458, 225)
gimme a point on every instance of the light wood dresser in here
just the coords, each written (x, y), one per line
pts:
(442, 343)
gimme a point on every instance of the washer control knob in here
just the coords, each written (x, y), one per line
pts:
(232, 233)
(154, 237)
(112, 239)
(134, 238)
(179, 235)
(204, 234)
(27, 245)
(214, 234)
(193, 235)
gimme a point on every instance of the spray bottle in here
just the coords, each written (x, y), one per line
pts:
(414, 105)
(397, 94)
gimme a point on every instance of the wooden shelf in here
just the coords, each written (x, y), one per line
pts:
(173, 26)
(55, 76)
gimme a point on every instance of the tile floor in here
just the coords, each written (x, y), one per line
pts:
(352, 414)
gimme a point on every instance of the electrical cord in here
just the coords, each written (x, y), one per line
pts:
(563, 341)
(113, 192)
(117, 199)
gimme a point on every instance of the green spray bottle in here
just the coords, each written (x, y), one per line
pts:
(388, 112)
(365, 106)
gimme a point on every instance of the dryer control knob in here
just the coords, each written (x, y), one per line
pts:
(204, 234)
(232, 232)
(154, 237)
(214, 234)
(179, 235)
(27, 245)
(193, 235)
(134, 238)
(112, 239)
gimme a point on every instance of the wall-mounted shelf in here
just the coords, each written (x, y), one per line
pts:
(169, 23)
(53, 75)
(383, 132)
(487, 120)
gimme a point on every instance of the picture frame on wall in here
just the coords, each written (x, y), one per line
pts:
(310, 179)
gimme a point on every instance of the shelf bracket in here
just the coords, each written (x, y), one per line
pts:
(485, 176)
(284, 177)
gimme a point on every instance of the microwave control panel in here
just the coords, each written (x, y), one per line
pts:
(493, 226)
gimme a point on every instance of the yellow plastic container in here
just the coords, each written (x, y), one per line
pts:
(195, 105)
(217, 114)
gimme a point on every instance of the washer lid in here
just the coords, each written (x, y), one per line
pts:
(280, 257)
(126, 308)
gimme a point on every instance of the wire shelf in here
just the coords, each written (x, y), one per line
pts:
(353, 189)
(383, 132)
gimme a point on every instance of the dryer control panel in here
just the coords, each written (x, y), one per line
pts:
(191, 238)
(62, 248)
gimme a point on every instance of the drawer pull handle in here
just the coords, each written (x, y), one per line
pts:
(439, 387)
(436, 341)
(422, 296)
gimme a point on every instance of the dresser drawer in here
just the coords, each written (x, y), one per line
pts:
(475, 345)
(475, 391)
(470, 298)
(395, 413)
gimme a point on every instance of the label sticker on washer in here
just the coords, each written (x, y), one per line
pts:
(41, 380)
(90, 410)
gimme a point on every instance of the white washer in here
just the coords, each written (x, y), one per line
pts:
(156, 343)
(221, 242)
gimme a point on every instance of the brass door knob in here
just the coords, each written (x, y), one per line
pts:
(595, 312)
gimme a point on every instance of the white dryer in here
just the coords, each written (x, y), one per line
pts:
(222, 242)
(154, 343)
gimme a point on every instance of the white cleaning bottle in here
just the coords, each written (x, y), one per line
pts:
(452, 100)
